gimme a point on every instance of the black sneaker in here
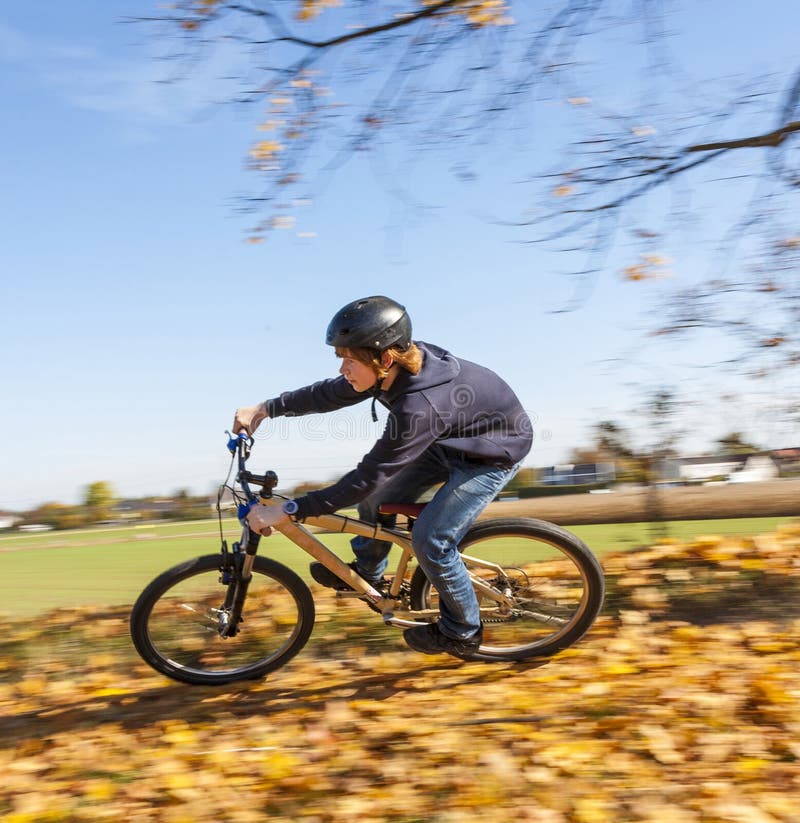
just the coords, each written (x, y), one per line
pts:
(325, 577)
(429, 640)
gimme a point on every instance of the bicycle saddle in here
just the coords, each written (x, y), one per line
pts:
(407, 509)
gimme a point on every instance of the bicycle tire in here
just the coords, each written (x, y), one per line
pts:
(174, 623)
(555, 581)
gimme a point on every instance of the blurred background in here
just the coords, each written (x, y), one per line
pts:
(592, 200)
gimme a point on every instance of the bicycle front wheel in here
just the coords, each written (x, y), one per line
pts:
(175, 624)
(539, 587)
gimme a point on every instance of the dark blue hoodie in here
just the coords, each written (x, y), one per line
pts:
(462, 406)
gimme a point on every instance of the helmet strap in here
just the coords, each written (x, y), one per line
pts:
(376, 390)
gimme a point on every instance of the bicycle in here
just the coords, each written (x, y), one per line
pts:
(237, 615)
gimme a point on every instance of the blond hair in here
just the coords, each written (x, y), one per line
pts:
(409, 359)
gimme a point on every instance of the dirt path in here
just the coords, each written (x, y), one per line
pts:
(775, 498)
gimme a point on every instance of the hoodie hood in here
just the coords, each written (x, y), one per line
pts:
(438, 367)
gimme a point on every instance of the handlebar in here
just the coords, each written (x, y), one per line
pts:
(240, 446)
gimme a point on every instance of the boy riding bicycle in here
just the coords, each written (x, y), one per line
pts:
(451, 422)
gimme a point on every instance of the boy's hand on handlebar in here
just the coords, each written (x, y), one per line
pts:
(262, 518)
(249, 418)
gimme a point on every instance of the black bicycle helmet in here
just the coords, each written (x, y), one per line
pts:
(370, 323)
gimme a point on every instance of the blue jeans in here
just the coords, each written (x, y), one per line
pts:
(468, 488)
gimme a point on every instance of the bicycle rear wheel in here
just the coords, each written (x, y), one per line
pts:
(552, 582)
(175, 623)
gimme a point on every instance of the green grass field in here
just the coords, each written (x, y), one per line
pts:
(110, 566)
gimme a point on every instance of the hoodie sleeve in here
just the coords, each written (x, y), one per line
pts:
(406, 436)
(324, 396)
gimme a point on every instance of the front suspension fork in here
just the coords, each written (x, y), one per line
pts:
(237, 574)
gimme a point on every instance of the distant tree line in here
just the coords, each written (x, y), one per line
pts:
(100, 504)
(611, 442)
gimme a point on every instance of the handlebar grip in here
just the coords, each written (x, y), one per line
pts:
(237, 440)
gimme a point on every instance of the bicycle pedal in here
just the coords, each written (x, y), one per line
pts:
(348, 593)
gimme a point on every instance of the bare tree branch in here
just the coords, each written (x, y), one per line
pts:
(772, 138)
(400, 21)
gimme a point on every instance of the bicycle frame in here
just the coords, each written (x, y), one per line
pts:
(301, 537)
(298, 534)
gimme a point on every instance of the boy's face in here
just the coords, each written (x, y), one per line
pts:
(360, 376)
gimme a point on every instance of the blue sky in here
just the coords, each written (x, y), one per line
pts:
(135, 317)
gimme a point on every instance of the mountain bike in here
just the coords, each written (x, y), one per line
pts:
(238, 615)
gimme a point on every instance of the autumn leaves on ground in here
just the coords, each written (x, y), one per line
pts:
(682, 704)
